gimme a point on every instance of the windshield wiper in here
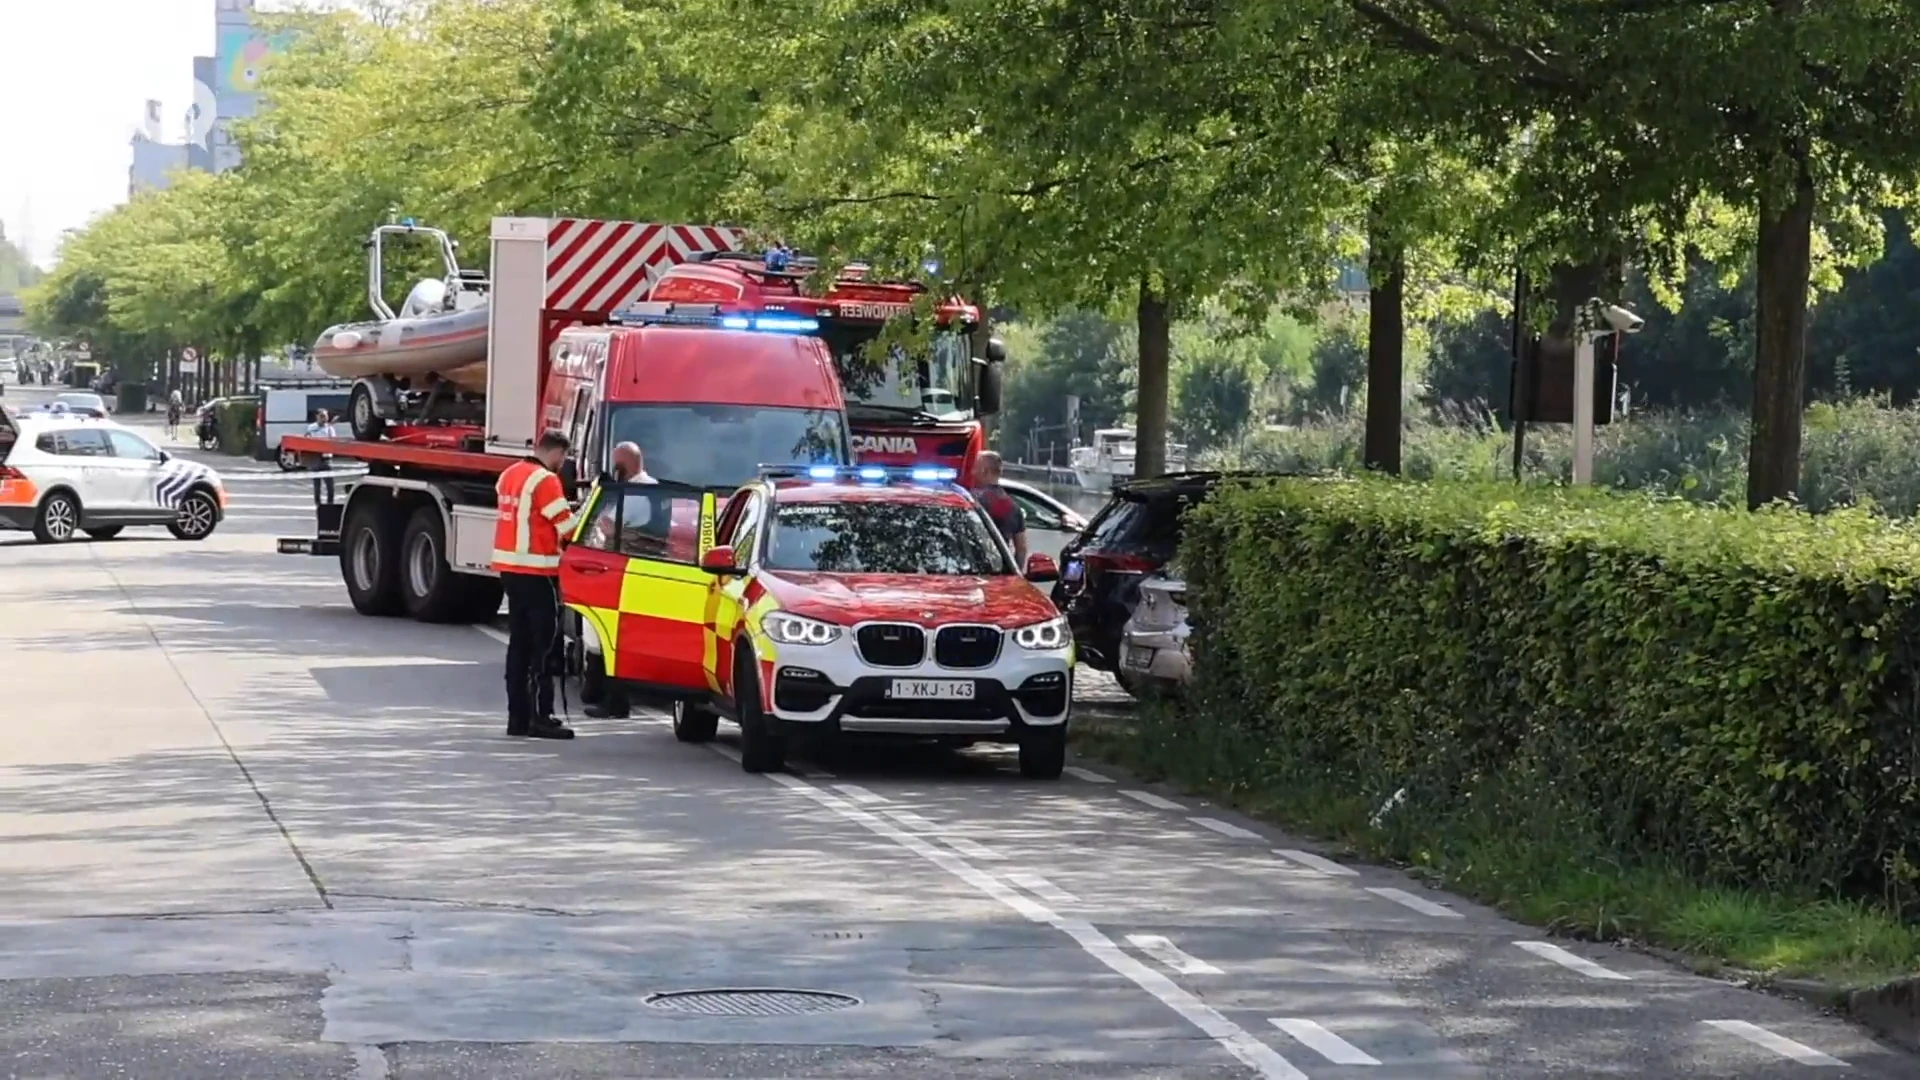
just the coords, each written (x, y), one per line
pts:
(912, 412)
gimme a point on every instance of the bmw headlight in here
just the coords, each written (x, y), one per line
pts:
(798, 629)
(1051, 634)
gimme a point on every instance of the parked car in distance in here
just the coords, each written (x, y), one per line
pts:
(1051, 524)
(288, 410)
(84, 404)
(1134, 535)
(1153, 644)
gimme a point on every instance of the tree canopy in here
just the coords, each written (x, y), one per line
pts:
(1189, 159)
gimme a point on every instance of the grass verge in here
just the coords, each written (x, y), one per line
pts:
(1528, 857)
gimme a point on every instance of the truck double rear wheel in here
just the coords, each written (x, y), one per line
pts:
(430, 588)
(370, 557)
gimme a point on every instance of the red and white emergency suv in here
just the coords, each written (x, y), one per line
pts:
(824, 603)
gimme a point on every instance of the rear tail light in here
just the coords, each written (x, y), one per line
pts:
(8, 472)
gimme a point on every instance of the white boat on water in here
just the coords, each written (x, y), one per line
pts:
(1111, 457)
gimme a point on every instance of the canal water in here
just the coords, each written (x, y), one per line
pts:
(1087, 503)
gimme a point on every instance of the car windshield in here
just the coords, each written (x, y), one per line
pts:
(82, 401)
(723, 446)
(872, 537)
(937, 386)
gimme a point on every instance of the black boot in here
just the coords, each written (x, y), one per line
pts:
(548, 728)
(610, 711)
(518, 728)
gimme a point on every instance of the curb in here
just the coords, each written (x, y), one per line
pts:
(1891, 1011)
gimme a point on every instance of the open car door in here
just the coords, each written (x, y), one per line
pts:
(633, 575)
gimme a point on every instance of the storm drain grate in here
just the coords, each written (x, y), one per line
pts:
(750, 1002)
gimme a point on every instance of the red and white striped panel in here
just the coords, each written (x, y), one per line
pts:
(603, 266)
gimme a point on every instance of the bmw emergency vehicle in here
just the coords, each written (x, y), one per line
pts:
(821, 603)
(63, 473)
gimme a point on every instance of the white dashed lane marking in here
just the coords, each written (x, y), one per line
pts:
(493, 632)
(1264, 1060)
(1225, 828)
(1155, 801)
(1323, 1042)
(1779, 1044)
(1565, 959)
(912, 820)
(1420, 904)
(1315, 862)
(858, 794)
(1041, 887)
(1088, 775)
(1171, 955)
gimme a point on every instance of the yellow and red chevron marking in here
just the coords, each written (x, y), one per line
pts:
(607, 265)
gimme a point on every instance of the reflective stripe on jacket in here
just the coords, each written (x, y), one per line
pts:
(534, 514)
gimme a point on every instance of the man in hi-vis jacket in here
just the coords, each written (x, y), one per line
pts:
(534, 520)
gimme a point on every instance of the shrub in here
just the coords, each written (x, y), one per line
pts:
(1853, 453)
(236, 424)
(1733, 693)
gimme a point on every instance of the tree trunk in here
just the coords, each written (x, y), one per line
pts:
(1156, 351)
(1386, 348)
(1780, 324)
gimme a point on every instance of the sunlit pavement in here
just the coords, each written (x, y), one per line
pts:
(247, 833)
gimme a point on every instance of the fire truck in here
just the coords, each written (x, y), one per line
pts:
(570, 345)
(904, 410)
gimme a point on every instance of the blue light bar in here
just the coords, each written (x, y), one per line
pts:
(867, 474)
(873, 474)
(927, 474)
(737, 322)
(824, 472)
(792, 324)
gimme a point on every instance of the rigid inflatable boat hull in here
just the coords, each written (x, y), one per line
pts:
(452, 345)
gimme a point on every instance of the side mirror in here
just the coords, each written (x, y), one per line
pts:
(162, 456)
(718, 560)
(989, 389)
(1042, 568)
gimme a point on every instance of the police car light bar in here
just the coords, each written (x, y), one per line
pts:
(866, 474)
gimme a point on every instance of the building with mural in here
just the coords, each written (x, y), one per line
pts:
(226, 88)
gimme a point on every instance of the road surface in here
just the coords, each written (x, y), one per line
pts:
(247, 833)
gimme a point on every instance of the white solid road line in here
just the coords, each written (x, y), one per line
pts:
(495, 633)
(1226, 828)
(1549, 951)
(727, 752)
(1171, 955)
(971, 849)
(1323, 1042)
(1088, 775)
(1314, 862)
(858, 794)
(1779, 1044)
(912, 820)
(1423, 906)
(1236, 1040)
(1041, 887)
(1153, 800)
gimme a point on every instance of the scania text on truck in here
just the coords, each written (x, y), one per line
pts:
(907, 410)
(703, 396)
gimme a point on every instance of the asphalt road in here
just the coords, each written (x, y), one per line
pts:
(247, 833)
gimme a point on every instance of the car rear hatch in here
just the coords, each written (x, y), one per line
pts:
(1133, 535)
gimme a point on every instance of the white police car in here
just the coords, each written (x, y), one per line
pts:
(62, 473)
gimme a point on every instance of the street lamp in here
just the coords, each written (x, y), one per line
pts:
(1596, 319)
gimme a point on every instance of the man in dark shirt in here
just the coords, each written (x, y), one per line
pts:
(999, 505)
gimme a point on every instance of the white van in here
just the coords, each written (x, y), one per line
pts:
(288, 411)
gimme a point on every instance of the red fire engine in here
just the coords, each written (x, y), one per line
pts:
(907, 410)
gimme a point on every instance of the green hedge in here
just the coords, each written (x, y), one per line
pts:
(236, 421)
(1737, 692)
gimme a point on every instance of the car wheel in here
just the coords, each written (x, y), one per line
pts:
(370, 559)
(104, 532)
(288, 460)
(58, 519)
(760, 749)
(1043, 753)
(429, 588)
(694, 724)
(199, 513)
